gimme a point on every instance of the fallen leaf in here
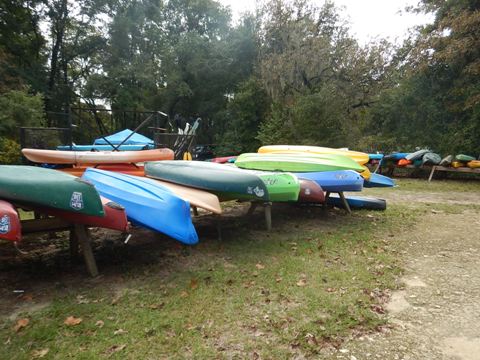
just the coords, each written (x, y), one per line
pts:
(115, 348)
(37, 354)
(27, 297)
(330, 290)
(120, 332)
(260, 266)
(100, 323)
(157, 306)
(72, 321)
(21, 323)
(183, 294)
(193, 284)
(302, 282)
(278, 279)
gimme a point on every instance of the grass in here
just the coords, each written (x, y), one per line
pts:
(313, 281)
(422, 185)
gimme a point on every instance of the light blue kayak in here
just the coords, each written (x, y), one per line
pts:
(335, 181)
(135, 147)
(358, 202)
(377, 180)
(375, 156)
(147, 203)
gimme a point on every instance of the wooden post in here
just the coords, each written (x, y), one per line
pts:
(195, 210)
(345, 202)
(268, 215)
(431, 173)
(83, 236)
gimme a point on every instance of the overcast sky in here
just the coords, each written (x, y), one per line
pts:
(369, 19)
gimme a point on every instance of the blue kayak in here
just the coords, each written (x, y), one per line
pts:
(375, 156)
(377, 180)
(358, 202)
(335, 181)
(136, 147)
(147, 203)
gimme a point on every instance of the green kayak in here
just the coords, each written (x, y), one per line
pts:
(281, 186)
(296, 163)
(464, 158)
(212, 177)
(37, 186)
(431, 158)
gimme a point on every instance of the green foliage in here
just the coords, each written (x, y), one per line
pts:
(18, 108)
(9, 152)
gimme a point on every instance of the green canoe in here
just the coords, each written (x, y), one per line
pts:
(296, 163)
(212, 177)
(464, 158)
(281, 186)
(431, 159)
(37, 186)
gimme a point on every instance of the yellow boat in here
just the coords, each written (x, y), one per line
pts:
(359, 157)
(474, 164)
(457, 164)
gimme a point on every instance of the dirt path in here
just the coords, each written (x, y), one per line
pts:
(436, 315)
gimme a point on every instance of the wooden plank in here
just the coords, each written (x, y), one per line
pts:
(431, 173)
(83, 236)
(460, 169)
(345, 202)
(44, 225)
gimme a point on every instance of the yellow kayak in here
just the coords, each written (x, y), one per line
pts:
(474, 164)
(359, 157)
(457, 164)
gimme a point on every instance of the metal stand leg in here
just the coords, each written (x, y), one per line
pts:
(268, 215)
(345, 202)
(83, 236)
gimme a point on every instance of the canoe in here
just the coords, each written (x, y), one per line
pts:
(447, 160)
(358, 202)
(96, 157)
(359, 157)
(335, 181)
(377, 180)
(198, 198)
(464, 158)
(474, 164)
(115, 217)
(297, 162)
(281, 186)
(417, 155)
(146, 203)
(310, 192)
(375, 157)
(404, 162)
(37, 186)
(431, 158)
(10, 228)
(211, 177)
(129, 169)
(130, 147)
(223, 160)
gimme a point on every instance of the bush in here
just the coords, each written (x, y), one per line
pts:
(9, 152)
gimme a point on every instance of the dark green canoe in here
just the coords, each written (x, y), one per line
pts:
(37, 186)
(212, 177)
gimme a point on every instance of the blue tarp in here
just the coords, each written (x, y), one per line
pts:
(117, 138)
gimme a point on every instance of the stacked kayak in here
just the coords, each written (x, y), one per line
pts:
(129, 147)
(215, 178)
(358, 202)
(335, 181)
(310, 192)
(129, 169)
(377, 180)
(147, 203)
(9, 222)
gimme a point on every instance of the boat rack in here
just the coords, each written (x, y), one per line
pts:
(434, 168)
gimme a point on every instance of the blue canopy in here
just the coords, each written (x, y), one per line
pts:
(117, 138)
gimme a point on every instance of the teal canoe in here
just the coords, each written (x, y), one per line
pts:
(212, 177)
(417, 155)
(431, 158)
(464, 158)
(41, 187)
(296, 162)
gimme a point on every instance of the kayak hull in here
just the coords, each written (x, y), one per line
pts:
(335, 181)
(130, 147)
(377, 180)
(37, 186)
(310, 192)
(146, 203)
(129, 169)
(10, 228)
(358, 202)
(96, 157)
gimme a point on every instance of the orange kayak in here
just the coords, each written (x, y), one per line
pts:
(404, 162)
(129, 169)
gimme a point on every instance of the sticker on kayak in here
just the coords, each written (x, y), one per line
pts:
(5, 224)
(257, 191)
(340, 176)
(76, 202)
(307, 192)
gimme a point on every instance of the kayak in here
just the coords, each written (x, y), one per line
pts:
(96, 157)
(223, 160)
(198, 198)
(10, 228)
(129, 169)
(474, 164)
(359, 157)
(447, 160)
(297, 162)
(457, 164)
(130, 147)
(375, 157)
(115, 217)
(358, 202)
(211, 177)
(395, 156)
(377, 180)
(146, 203)
(37, 186)
(404, 162)
(464, 158)
(431, 158)
(310, 192)
(335, 181)
(417, 155)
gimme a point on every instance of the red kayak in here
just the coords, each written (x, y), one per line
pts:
(310, 192)
(115, 217)
(10, 228)
(223, 160)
